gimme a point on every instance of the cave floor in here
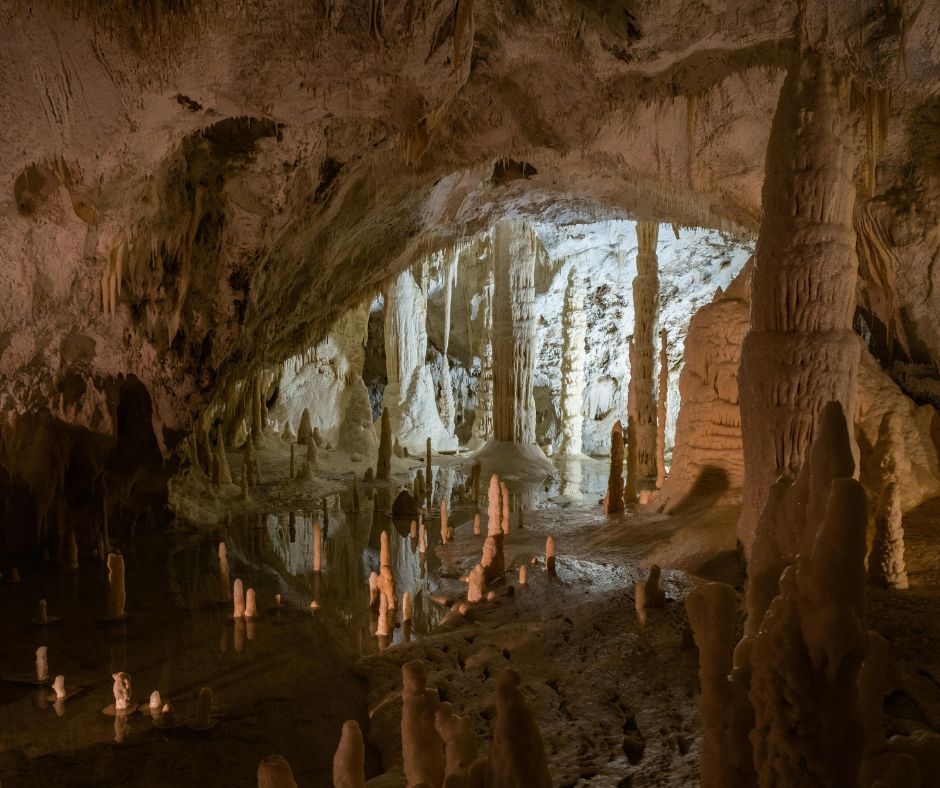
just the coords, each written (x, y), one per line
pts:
(616, 702)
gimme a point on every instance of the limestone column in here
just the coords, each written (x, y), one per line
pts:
(447, 390)
(645, 319)
(573, 329)
(801, 351)
(409, 394)
(514, 248)
(483, 417)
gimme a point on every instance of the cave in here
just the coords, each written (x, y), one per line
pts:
(470, 394)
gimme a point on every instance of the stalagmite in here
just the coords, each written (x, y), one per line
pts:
(349, 760)
(517, 753)
(385, 584)
(476, 523)
(238, 596)
(223, 573)
(443, 522)
(116, 599)
(373, 589)
(447, 388)
(515, 249)
(523, 575)
(662, 397)
(613, 502)
(317, 545)
(494, 507)
(288, 433)
(304, 431)
(633, 457)
(550, 554)
(504, 515)
(406, 607)
(726, 714)
(251, 609)
(274, 772)
(58, 687)
(646, 317)
(382, 627)
(221, 472)
(383, 465)
(886, 560)
(574, 329)
(460, 744)
(801, 351)
(483, 413)
(155, 705)
(422, 746)
(122, 693)
(384, 559)
(476, 588)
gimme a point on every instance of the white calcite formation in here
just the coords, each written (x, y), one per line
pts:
(409, 393)
(483, 414)
(574, 328)
(645, 326)
(801, 351)
(514, 249)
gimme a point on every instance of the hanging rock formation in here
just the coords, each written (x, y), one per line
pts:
(646, 318)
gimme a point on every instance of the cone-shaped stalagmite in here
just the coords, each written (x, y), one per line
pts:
(349, 760)
(614, 500)
(801, 351)
(631, 486)
(422, 746)
(517, 753)
(574, 328)
(646, 317)
(304, 431)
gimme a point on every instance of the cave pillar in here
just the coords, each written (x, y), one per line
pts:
(801, 351)
(514, 247)
(646, 317)
(573, 329)
(447, 388)
(483, 417)
(409, 394)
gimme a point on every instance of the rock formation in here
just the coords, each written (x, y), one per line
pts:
(383, 464)
(409, 394)
(274, 772)
(646, 318)
(517, 753)
(574, 327)
(633, 450)
(662, 396)
(116, 597)
(460, 744)
(613, 502)
(483, 414)
(422, 746)
(801, 351)
(349, 760)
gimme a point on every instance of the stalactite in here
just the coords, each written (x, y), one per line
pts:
(574, 328)
(662, 399)
(801, 351)
(646, 317)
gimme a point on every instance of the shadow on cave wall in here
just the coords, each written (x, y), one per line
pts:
(56, 477)
(710, 486)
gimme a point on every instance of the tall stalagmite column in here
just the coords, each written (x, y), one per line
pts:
(801, 351)
(573, 329)
(483, 417)
(447, 389)
(409, 395)
(515, 248)
(645, 319)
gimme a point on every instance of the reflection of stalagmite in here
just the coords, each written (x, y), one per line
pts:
(661, 402)
(801, 351)
(483, 415)
(422, 746)
(646, 317)
(614, 501)
(317, 546)
(383, 465)
(116, 598)
(349, 760)
(574, 328)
